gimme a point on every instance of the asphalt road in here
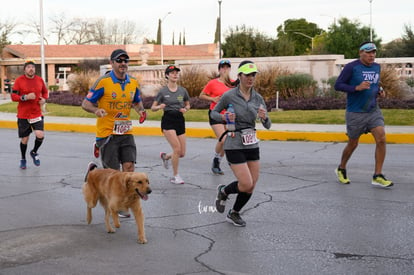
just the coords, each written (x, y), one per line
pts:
(299, 220)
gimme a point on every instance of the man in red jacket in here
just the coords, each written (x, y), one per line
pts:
(30, 92)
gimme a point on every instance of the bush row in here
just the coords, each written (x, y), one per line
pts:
(314, 103)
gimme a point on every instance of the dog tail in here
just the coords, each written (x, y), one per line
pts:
(91, 166)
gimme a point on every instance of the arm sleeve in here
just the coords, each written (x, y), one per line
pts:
(344, 77)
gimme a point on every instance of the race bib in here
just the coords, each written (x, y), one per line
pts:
(122, 126)
(248, 137)
(34, 120)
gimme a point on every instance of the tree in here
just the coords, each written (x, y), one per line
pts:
(298, 31)
(183, 37)
(408, 41)
(6, 29)
(173, 41)
(217, 33)
(60, 26)
(159, 32)
(242, 41)
(345, 37)
(394, 48)
(284, 47)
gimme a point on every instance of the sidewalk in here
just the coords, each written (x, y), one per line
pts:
(278, 131)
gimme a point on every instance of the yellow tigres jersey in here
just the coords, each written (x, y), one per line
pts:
(116, 98)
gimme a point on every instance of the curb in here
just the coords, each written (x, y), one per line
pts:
(397, 138)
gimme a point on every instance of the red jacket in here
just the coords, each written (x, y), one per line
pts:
(23, 86)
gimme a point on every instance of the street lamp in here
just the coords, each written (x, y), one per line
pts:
(219, 2)
(42, 44)
(305, 35)
(370, 20)
(162, 52)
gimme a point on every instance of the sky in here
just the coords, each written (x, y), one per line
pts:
(197, 18)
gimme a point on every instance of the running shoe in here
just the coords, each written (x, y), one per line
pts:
(341, 174)
(22, 164)
(221, 199)
(381, 181)
(164, 159)
(215, 168)
(95, 150)
(35, 157)
(177, 180)
(234, 218)
(124, 214)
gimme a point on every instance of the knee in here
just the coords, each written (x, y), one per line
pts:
(128, 167)
(381, 140)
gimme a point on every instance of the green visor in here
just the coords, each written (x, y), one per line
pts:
(247, 69)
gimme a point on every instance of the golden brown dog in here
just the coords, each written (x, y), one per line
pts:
(116, 191)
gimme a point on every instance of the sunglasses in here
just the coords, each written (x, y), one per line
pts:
(368, 47)
(120, 60)
(225, 61)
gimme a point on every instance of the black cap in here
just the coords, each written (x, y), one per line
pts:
(117, 53)
(171, 68)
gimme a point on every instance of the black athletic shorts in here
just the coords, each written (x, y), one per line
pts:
(25, 128)
(117, 149)
(242, 155)
(212, 121)
(173, 120)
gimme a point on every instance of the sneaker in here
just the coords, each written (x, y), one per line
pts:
(22, 164)
(95, 150)
(341, 174)
(177, 180)
(221, 199)
(215, 168)
(380, 180)
(234, 218)
(164, 159)
(124, 214)
(35, 157)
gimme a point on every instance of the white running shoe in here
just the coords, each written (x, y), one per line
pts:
(177, 180)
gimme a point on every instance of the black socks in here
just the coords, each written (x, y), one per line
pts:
(23, 149)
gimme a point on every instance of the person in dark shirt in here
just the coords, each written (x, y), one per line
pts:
(360, 80)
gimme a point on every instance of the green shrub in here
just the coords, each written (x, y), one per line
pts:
(410, 81)
(53, 88)
(297, 85)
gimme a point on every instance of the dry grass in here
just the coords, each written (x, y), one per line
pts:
(194, 79)
(80, 83)
(390, 82)
(265, 80)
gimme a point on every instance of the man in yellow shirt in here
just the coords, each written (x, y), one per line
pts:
(111, 99)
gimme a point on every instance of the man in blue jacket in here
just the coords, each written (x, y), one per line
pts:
(360, 80)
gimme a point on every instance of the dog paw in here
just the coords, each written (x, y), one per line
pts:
(142, 241)
(111, 230)
(117, 225)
